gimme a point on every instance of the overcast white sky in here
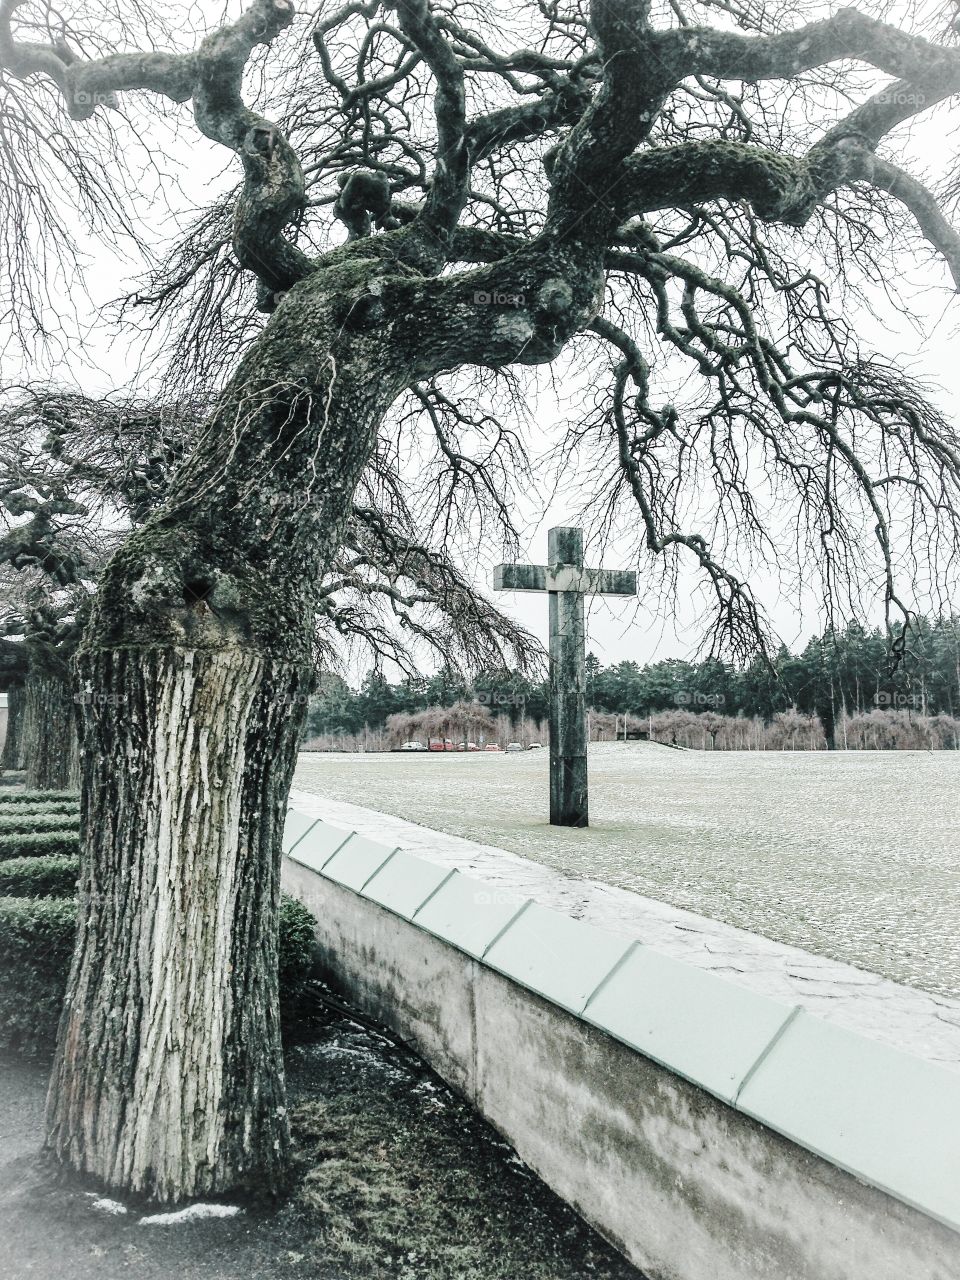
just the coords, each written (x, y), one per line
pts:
(924, 339)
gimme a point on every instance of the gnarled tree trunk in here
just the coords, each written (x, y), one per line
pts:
(193, 674)
(168, 1078)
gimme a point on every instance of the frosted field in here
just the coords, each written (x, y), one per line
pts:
(851, 855)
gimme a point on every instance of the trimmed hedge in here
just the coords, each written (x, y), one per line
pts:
(34, 844)
(39, 797)
(39, 808)
(23, 824)
(36, 945)
(50, 877)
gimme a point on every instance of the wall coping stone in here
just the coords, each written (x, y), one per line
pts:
(923, 1023)
(888, 1117)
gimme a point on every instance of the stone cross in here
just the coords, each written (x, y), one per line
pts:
(567, 582)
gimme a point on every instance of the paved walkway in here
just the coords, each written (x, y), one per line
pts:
(922, 1023)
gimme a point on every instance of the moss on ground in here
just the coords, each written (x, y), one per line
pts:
(399, 1177)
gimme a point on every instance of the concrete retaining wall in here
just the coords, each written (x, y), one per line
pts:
(710, 1133)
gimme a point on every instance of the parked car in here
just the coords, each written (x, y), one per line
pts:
(514, 746)
(491, 746)
(535, 746)
(413, 745)
(467, 746)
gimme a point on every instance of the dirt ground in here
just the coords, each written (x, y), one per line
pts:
(395, 1177)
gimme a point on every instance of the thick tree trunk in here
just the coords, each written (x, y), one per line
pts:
(12, 757)
(49, 745)
(193, 678)
(828, 719)
(168, 1078)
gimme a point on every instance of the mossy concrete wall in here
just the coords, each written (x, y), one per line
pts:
(688, 1187)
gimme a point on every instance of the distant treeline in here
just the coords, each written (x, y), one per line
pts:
(842, 689)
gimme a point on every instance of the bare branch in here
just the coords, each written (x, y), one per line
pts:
(923, 205)
(273, 191)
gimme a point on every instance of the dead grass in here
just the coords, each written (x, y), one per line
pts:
(399, 1177)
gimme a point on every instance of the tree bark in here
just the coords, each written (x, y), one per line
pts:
(169, 1079)
(49, 745)
(12, 758)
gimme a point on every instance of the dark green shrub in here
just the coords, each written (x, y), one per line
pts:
(295, 945)
(39, 797)
(50, 877)
(36, 943)
(36, 843)
(23, 824)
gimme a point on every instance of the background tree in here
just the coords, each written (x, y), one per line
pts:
(853, 662)
(460, 722)
(13, 673)
(615, 180)
(75, 474)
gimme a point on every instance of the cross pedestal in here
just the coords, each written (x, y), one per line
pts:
(567, 582)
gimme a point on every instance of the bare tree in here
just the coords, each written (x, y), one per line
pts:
(77, 473)
(13, 672)
(44, 624)
(464, 720)
(512, 186)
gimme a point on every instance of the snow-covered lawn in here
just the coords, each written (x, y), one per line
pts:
(852, 855)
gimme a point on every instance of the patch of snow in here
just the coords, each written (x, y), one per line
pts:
(109, 1206)
(192, 1213)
